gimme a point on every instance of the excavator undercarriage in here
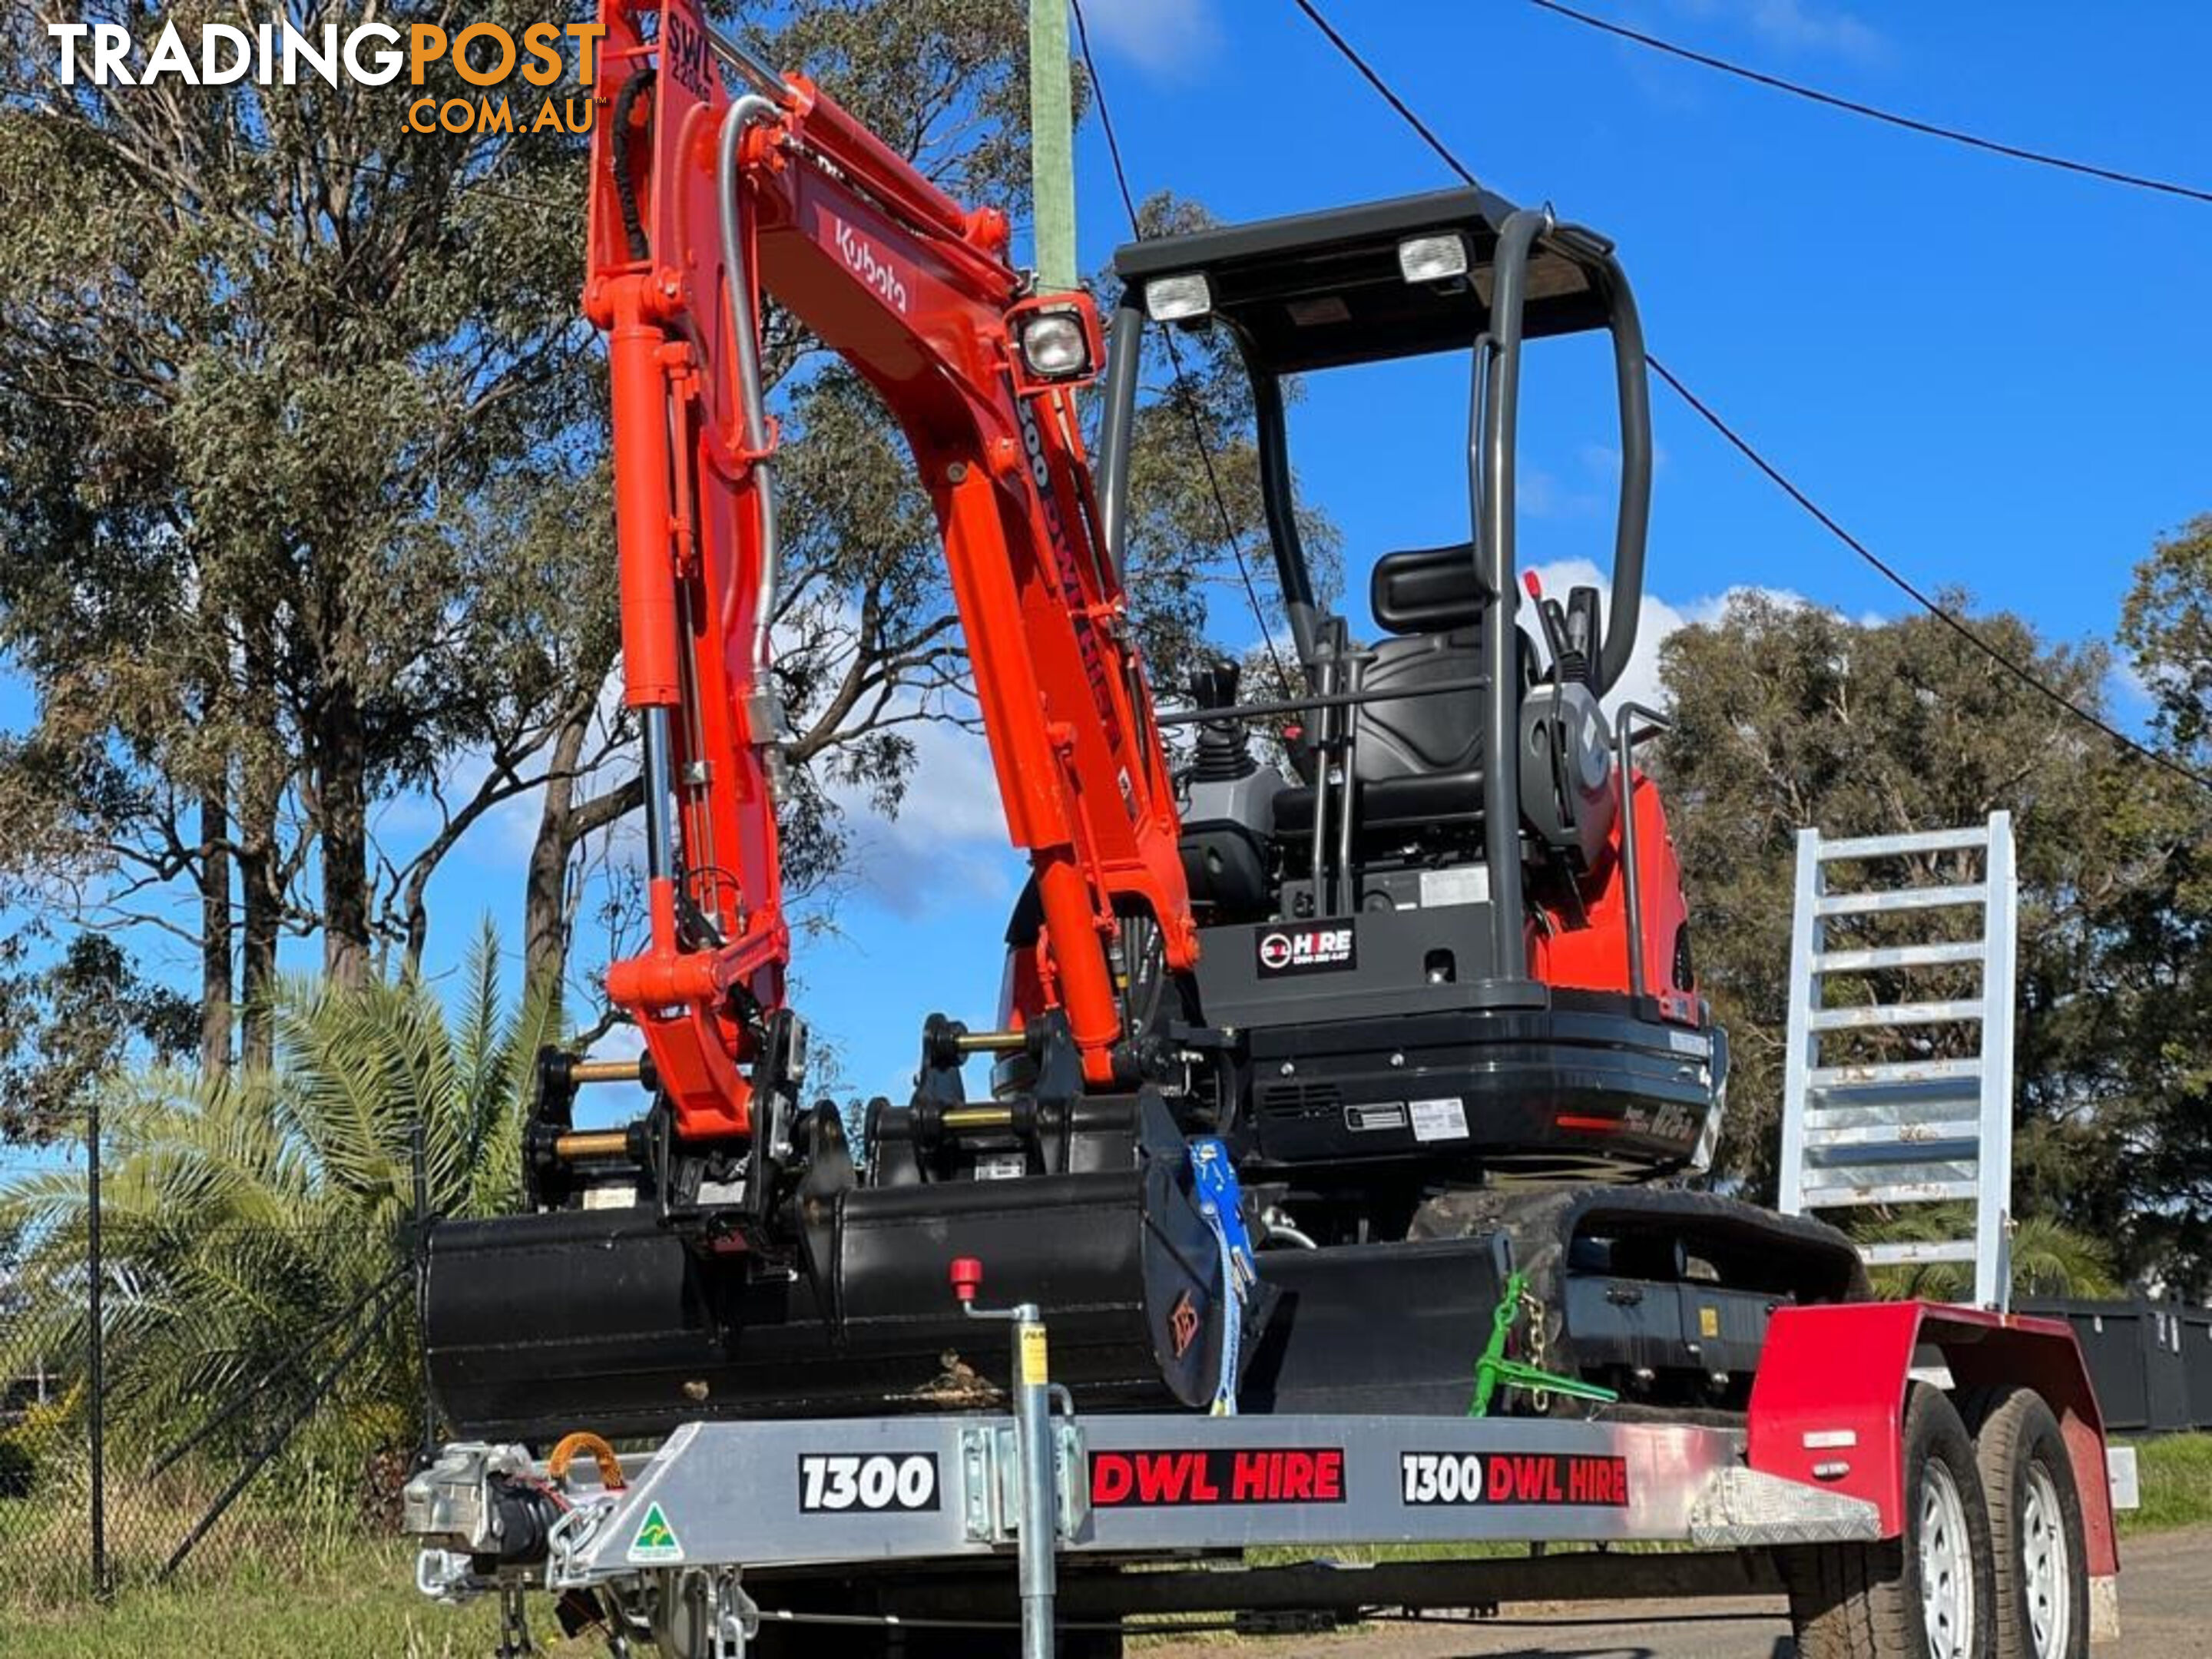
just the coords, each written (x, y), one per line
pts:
(1368, 1014)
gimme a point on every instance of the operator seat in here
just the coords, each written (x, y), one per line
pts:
(1417, 762)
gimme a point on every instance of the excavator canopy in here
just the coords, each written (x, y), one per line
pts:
(1360, 284)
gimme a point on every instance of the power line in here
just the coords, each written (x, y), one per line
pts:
(1382, 88)
(1781, 480)
(1953, 135)
(1905, 584)
(1185, 396)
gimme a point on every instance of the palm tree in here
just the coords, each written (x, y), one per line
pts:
(255, 1226)
(2048, 1258)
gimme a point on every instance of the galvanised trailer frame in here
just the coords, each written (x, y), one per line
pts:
(689, 1542)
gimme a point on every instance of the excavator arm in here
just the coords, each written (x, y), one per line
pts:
(702, 200)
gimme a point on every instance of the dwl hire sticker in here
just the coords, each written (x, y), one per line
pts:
(656, 1540)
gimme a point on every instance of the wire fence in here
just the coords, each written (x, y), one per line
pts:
(188, 1406)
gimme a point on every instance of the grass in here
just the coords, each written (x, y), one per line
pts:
(357, 1603)
(2175, 1474)
(371, 1612)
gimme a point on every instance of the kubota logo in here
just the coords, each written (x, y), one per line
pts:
(868, 265)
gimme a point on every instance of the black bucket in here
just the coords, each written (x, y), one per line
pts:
(535, 1325)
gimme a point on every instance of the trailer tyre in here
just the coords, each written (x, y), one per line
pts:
(1929, 1594)
(2035, 1526)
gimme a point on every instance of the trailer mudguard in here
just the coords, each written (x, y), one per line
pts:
(1828, 1402)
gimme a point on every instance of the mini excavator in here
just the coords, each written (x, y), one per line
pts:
(1305, 1067)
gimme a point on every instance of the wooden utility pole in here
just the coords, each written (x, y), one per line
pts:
(1052, 146)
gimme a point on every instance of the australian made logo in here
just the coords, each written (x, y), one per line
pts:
(1306, 949)
(656, 1540)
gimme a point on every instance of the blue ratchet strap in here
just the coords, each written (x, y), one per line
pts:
(1221, 1201)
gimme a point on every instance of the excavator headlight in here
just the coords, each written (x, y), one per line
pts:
(1432, 258)
(1178, 299)
(1055, 344)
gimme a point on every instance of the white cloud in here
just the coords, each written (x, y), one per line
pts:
(620, 1041)
(948, 842)
(2125, 685)
(1541, 495)
(1165, 38)
(1801, 27)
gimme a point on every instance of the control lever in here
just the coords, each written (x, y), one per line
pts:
(1584, 635)
(1214, 686)
(1554, 621)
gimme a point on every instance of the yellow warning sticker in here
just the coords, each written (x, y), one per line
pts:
(1036, 1365)
(1709, 1321)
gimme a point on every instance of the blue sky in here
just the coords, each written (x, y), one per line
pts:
(1994, 374)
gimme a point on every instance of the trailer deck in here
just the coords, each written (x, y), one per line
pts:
(678, 1542)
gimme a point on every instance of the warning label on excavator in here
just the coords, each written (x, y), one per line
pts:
(656, 1540)
(1553, 1480)
(1187, 1479)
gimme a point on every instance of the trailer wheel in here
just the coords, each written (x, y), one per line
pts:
(2035, 1526)
(1929, 1594)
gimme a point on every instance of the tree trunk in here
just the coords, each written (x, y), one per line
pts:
(261, 891)
(342, 799)
(546, 919)
(214, 933)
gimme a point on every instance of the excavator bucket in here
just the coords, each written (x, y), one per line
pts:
(610, 1320)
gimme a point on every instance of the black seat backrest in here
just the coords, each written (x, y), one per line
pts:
(1427, 590)
(1405, 734)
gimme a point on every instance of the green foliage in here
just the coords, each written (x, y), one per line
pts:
(1789, 715)
(2048, 1258)
(2167, 625)
(66, 1023)
(2173, 1473)
(251, 1222)
(263, 366)
(308, 510)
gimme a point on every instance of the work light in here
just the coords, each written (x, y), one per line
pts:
(1178, 299)
(1055, 344)
(1432, 258)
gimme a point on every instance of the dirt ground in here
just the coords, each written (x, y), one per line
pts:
(2163, 1582)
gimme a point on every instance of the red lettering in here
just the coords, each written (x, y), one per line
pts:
(1598, 1480)
(1111, 1478)
(1202, 1489)
(1247, 1478)
(1161, 1477)
(1498, 1481)
(1250, 1475)
(1327, 1477)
